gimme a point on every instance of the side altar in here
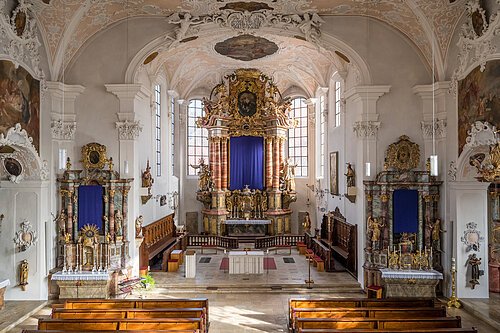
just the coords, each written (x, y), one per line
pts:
(92, 227)
(247, 176)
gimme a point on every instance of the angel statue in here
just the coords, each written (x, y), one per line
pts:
(185, 23)
(309, 25)
(374, 225)
(204, 175)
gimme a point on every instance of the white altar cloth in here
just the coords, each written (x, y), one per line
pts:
(248, 222)
(411, 274)
(4, 283)
(246, 262)
(83, 276)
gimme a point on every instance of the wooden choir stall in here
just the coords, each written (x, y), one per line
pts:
(92, 227)
(403, 239)
(247, 176)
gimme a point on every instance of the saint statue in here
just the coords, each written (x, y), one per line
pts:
(204, 175)
(375, 226)
(118, 222)
(474, 261)
(288, 175)
(147, 178)
(138, 226)
(351, 182)
(23, 274)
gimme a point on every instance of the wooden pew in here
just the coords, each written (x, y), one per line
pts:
(59, 313)
(382, 313)
(357, 303)
(354, 330)
(119, 324)
(380, 323)
(122, 331)
(159, 236)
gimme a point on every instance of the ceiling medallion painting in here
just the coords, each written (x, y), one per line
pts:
(246, 47)
(241, 6)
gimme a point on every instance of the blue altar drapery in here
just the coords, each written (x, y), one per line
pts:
(405, 205)
(90, 206)
(246, 162)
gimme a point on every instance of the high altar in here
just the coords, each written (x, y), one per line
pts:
(91, 227)
(247, 176)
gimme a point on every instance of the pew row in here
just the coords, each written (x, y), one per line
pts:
(123, 331)
(354, 330)
(377, 313)
(120, 324)
(405, 303)
(373, 323)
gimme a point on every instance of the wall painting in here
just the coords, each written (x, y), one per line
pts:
(19, 101)
(478, 99)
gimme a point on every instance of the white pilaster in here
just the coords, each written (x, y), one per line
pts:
(362, 116)
(129, 127)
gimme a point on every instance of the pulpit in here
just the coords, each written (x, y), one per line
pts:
(248, 176)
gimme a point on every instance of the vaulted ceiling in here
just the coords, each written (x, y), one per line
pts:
(67, 24)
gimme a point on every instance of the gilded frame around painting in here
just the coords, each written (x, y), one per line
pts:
(334, 173)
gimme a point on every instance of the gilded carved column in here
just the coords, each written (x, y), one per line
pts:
(276, 166)
(125, 211)
(69, 224)
(111, 212)
(224, 163)
(269, 162)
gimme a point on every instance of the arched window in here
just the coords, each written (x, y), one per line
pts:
(197, 137)
(172, 132)
(297, 137)
(337, 103)
(157, 104)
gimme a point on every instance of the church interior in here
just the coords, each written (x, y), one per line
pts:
(250, 165)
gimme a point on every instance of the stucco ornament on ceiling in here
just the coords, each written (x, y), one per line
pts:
(18, 36)
(476, 41)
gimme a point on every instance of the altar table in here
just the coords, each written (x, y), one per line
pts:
(83, 285)
(410, 283)
(247, 227)
(246, 262)
(3, 286)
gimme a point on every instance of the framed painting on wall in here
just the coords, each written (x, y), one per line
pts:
(334, 173)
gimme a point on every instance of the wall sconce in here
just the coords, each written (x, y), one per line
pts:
(434, 165)
(1, 220)
(368, 169)
(62, 158)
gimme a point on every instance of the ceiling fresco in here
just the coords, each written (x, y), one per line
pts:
(246, 47)
(67, 24)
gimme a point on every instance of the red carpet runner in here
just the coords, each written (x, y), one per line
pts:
(268, 263)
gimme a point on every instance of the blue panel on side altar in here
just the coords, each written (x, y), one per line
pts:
(405, 205)
(90, 206)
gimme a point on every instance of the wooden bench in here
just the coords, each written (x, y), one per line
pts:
(319, 264)
(128, 313)
(287, 247)
(341, 236)
(98, 303)
(120, 324)
(373, 323)
(357, 303)
(378, 313)
(123, 331)
(355, 330)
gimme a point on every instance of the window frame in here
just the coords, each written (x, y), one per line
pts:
(200, 139)
(299, 143)
(157, 127)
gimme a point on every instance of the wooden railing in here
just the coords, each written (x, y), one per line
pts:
(273, 241)
(212, 240)
(158, 236)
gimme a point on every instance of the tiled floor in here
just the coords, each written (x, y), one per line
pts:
(258, 303)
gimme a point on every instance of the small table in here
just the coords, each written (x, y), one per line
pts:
(3, 286)
(177, 254)
(246, 262)
(410, 283)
